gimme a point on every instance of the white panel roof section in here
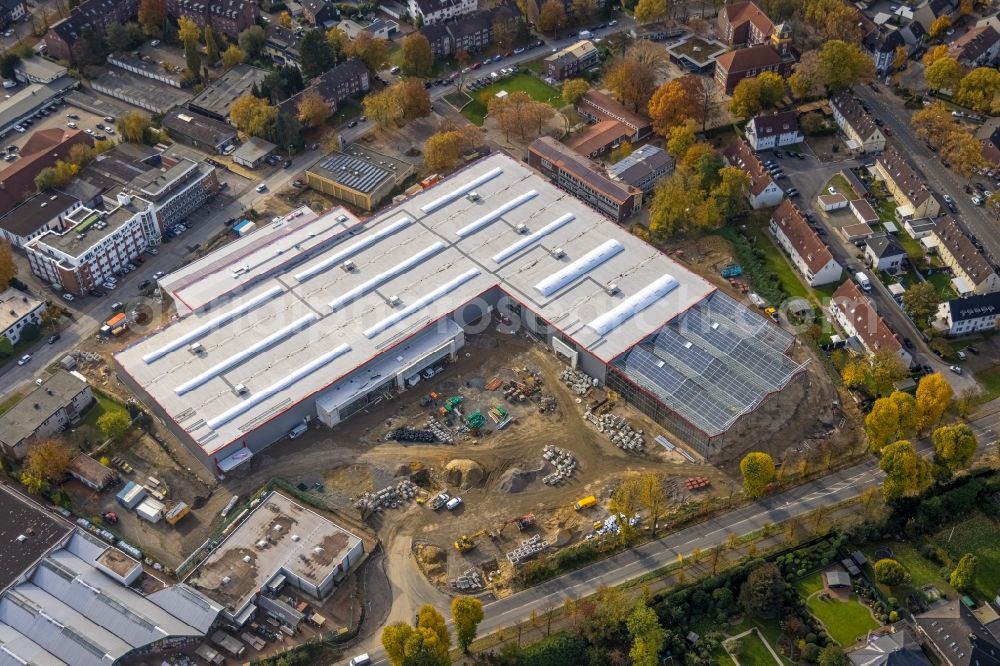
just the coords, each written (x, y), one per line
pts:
(16, 649)
(580, 267)
(495, 214)
(513, 252)
(633, 305)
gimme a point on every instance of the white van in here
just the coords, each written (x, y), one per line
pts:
(585, 34)
(361, 660)
(863, 281)
(297, 430)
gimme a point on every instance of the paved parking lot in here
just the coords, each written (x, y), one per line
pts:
(59, 119)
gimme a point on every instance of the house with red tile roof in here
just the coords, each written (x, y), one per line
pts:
(744, 24)
(809, 254)
(764, 192)
(857, 316)
(42, 150)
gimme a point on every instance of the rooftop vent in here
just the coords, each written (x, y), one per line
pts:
(521, 229)
(393, 300)
(262, 544)
(295, 537)
(472, 196)
(196, 348)
(247, 559)
(348, 265)
(225, 580)
(22, 538)
(239, 389)
(612, 289)
(558, 253)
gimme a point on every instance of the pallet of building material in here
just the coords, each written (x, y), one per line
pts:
(665, 443)
(697, 483)
(493, 384)
(390, 497)
(527, 550)
(580, 382)
(476, 420)
(469, 580)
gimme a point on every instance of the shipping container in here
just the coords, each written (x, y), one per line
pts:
(116, 320)
(130, 496)
(150, 509)
(177, 512)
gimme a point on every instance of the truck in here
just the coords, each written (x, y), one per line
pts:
(117, 324)
(863, 281)
(757, 300)
(585, 503)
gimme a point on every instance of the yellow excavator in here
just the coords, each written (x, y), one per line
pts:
(468, 541)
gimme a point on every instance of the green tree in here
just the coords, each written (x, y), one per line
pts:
(152, 16)
(763, 593)
(6, 348)
(211, 45)
(921, 300)
(114, 424)
(251, 41)
(731, 192)
(954, 446)
(647, 635)
(467, 613)
(890, 572)
(758, 471)
(427, 644)
(651, 11)
(315, 53)
(573, 90)
(965, 571)
(843, 65)
(940, 26)
(652, 495)
(233, 56)
(681, 138)
(623, 150)
(8, 62)
(552, 17)
(833, 655)
(906, 473)
(630, 81)
(418, 58)
(369, 49)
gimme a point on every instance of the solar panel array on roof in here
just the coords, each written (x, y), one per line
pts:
(354, 172)
(712, 364)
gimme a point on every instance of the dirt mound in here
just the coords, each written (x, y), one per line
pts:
(464, 473)
(515, 479)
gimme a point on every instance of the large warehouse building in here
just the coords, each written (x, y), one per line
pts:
(315, 317)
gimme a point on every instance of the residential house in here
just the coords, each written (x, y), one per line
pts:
(321, 13)
(808, 252)
(926, 12)
(919, 228)
(643, 168)
(230, 17)
(961, 636)
(881, 44)
(883, 253)
(977, 47)
(858, 318)
(973, 314)
(773, 130)
(37, 215)
(95, 15)
(383, 28)
(198, 131)
(344, 80)
(973, 273)
(56, 402)
(17, 310)
(863, 211)
(764, 192)
(427, 12)
(572, 173)
(744, 24)
(858, 125)
(596, 106)
(913, 197)
(38, 70)
(898, 648)
(11, 11)
(473, 33)
(597, 139)
(42, 150)
(734, 66)
(440, 40)
(91, 472)
(282, 45)
(572, 60)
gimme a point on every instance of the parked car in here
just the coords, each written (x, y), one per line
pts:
(956, 369)
(68, 297)
(158, 274)
(54, 338)
(24, 360)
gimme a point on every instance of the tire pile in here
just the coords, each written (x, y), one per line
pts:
(413, 435)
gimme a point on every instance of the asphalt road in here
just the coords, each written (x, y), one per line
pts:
(830, 490)
(88, 312)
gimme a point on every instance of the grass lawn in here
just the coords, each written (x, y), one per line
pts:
(989, 379)
(922, 571)
(777, 261)
(942, 283)
(539, 91)
(348, 110)
(912, 247)
(102, 405)
(396, 54)
(845, 621)
(10, 401)
(754, 652)
(976, 535)
(886, 209)
(841, 185)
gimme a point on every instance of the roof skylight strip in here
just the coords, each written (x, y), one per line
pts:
(241, 356)
(581, 266)
(351, 250)
(385, 276)
(461, 190)
(492, 216)
(298, 374)
(421, 303)
(531, 239)
(633, 305)
(213, 323)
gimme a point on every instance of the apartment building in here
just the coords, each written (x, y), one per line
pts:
(56, 402)
(744, 24)
(17, 310)
(176, 190)
(734, 66)
(597, 139)
(643, 168)
(230, 17)
(809, 254)
(973, 314)
(973, 273)
(764, 192)
(856, 315)
(42, 150)
(857, 124)
(97, 245)
(11, 11)
(977, 47)
(321, 13)
(95, 15)
(334, 85)
(429, 12)
(572, 173)
(37, 215)
(774, 130)
(596, 106)
(913, 198)
(472, 33)
(572, 60)
(439, 38)
(883, 253)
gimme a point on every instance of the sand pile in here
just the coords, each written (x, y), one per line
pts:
(464, 473)
(515, 479)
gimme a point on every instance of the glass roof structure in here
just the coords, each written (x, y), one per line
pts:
(712, 364)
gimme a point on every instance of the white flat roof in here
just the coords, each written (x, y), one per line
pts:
(311, 323)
